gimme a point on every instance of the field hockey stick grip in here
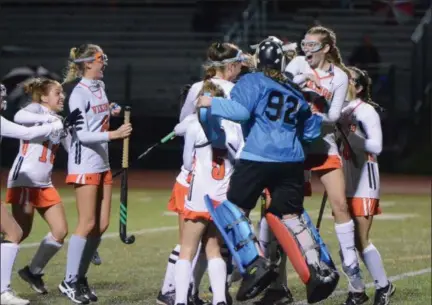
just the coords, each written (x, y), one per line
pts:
(125, 160)
(168, 137)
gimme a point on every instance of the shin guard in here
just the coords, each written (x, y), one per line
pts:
(236, 231)
(324, 253)
(320, 280)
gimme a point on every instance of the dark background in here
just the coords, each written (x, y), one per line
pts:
(155, 47)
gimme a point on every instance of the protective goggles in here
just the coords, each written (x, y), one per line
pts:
(238, 58)
(311, 46)
(99, 57)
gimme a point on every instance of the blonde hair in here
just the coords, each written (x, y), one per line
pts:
(212, 88)
(76, 70)
(328, 37)
(38, 87)
(274, 74)
(290, 55)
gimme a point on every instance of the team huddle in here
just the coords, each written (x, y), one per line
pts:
(255, 126)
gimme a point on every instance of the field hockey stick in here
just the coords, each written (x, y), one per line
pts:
(165, 139)
(124, 187)
(321, 211)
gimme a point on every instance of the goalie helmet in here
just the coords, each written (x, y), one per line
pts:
(3, 94)
(269, 54)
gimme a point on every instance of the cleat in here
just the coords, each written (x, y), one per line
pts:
(382, 295)
(73, 292)
(276, 296)
(8, 297)
(96, 260)
(196, 300)
(354, 276)
(228, 297)
(35, 280)
(166, 299)
(356, 298)
(86, 290)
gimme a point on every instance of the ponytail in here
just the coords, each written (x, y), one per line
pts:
(73, 70)
(336, 58)
(37, 87)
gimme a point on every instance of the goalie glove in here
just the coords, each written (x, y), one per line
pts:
(74, 120)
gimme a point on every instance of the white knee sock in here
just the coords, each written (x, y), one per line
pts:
(169, 280)
(8, 253)
(74, 257)
(304, 238)
(47, 249)
(374, 264)
(198, 272)
(217, 274)
(183, 272)
(345, 235)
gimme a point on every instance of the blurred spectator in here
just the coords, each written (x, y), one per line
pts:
(366, 56)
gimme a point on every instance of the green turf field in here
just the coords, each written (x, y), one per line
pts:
(132, 274)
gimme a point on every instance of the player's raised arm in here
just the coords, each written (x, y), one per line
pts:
(12, 130)
(26, 116)
(242, 103)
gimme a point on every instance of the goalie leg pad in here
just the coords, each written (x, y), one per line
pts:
(290, 246)
(320, 280)
(236, 231)
(324, 253)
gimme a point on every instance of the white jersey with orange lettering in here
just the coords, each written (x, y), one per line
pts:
(362, 125)
(33, 164)
(89, 148)
(212, 168)
(192, 96)
(328, 98)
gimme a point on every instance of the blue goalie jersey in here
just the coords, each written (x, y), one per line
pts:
(275, 116)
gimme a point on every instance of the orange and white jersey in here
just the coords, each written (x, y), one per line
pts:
(192, 96)
(89, 148)
(33, 164)
(362, 125)
(330, 95)
(212, 168)
(180, 130)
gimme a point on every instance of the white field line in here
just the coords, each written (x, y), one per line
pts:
(394, 278)
(116, 235)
